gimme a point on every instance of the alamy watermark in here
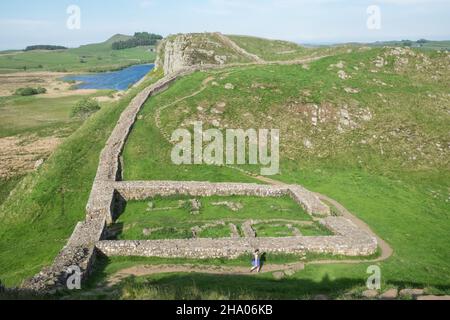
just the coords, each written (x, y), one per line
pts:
(374, 281)
(236, 146)
(74, 19)
(374, 19)
(74, 280)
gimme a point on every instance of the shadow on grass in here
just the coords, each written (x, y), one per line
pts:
(198, 286)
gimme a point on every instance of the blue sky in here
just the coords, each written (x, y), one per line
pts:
(25, 22)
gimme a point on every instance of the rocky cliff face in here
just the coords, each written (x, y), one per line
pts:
(184, 50)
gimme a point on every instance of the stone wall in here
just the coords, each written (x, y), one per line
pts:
(349, 241)
(142, 190)
(101, 197)
(80, 251)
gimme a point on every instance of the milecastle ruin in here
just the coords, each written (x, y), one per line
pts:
(109, 192)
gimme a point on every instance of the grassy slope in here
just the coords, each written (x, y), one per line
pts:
(270, 50)
(6, 186)
(95, 57)
(430, 45)
(404, 199)
(38, 115)
(40, 215)
(140, 157)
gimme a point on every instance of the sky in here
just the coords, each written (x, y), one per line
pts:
(25, 22)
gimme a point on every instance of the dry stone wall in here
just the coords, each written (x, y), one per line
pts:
(80, 252)
(349, 241)
(142, 190)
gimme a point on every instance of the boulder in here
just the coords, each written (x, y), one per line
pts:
(390, 294)
(411, 292)
(370, 294)
(229, 86)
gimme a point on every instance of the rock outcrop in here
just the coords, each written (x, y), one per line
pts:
(185, 50)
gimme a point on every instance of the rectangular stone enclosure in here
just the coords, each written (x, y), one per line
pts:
(347, 240)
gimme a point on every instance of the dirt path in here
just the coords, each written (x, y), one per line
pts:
(386, 250)
(147, 270)
(233, 45)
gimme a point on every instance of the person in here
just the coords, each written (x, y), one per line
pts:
(256, 261)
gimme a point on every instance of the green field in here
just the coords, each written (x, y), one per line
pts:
(89, 58)
(39, 115)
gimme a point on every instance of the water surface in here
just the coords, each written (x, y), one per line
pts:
(117, 80)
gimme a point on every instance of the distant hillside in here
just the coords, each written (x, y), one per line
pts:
(118, 37)
(420, 44)
(87, 58)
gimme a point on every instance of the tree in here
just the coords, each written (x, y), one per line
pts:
(407, 43)
(139, 39)
(44, 47)
(28, 91)
(85, 108)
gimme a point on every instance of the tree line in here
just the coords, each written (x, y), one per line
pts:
(139, 39)
(44, 47)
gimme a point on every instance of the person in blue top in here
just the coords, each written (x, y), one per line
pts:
(256, 263)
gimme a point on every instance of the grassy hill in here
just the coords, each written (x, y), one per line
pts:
(270, 50)
(88, 58)
(371, 135)
(424, 45)
(367, 127)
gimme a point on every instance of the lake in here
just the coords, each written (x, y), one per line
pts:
(117, 80)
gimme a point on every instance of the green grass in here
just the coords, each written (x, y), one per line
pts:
(396, 136)
(270, 230)
(216, 232)
(176, 219)
(282, 230)
(140, 157)
(38, 115)
(6, 186)
(270, 50)
(91, 58)
(41, 215)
